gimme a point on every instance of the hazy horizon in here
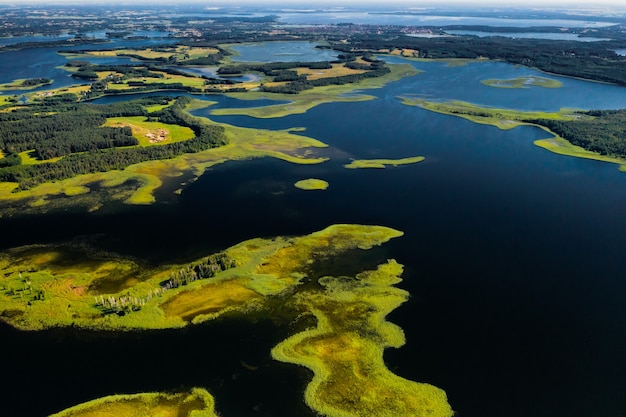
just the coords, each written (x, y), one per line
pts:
(523, 4)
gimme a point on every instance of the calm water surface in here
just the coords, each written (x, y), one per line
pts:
(529, 35)
(282, 52)
(513, 258)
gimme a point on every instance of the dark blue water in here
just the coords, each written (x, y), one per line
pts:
(513, 259)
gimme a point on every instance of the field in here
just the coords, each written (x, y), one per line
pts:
(152, 133)
(337, 70)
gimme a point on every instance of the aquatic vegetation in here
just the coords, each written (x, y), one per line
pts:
(64, 285)
(311, 184)
(524, 82)
(195, 403)
(382, 163)
(46, 286)
(345, 349)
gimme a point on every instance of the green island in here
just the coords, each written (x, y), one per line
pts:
(595, 134)
(158, 146)
(383, 163)
(195, 403)
(311, 184)
(45, 286)
(25, 84)
(523, 82)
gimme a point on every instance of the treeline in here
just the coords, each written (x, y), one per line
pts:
(111, 158)
(295, 83)
(271, 68)
(605, 133)
(207, 268)
(35, 81)
(301, 84)
(590, 60)
(60, 131)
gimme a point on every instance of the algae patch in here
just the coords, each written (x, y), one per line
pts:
(383, 163)
(311, 184)
(524, 82)
(195, 403)
(345, 350)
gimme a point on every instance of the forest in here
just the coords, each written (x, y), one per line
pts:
(590, 60)
(604, 133)
(74, 133)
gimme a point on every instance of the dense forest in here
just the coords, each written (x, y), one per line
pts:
(74, 131)
(605, 133)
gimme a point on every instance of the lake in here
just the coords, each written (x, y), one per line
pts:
(282, 52)
(529, 35)
(513, 259)
(427, 19)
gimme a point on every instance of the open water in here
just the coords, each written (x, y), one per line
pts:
(513, 256)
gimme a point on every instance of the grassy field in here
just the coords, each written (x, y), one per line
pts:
(152, 133)
(311, 184)
(524, 82)
(27, 159)
(508, 119)
(195, 403)
(79, 90)
(181, 53)
(337, 70)
(383, 163)
(302, 102)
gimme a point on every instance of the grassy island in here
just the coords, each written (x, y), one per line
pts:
(196, 403)
(524, 82)
(25, 84)
(311, 184)
(47, 286)
(595, 134)
(383, 163)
